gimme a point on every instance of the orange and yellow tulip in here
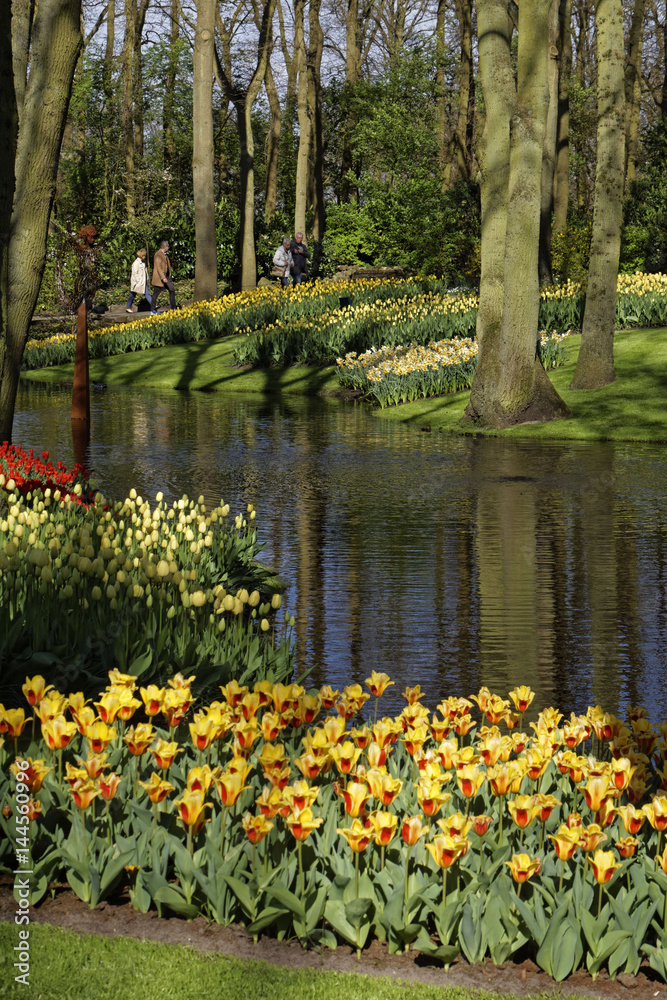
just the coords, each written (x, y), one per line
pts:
(656, 812)
(384, 826)
(256, 827)
(139, 738)
(355, 796)
(378, 683)
(302, 823)
(523, 810)
(108, 785)
(522, 697)
(58, 733)
(523, 868)
(99, 736)
(191, 810)
(35, 688)
(413, 829)
(445, 850)
(566, 841)
(229, 786)
(357, 836)
(430, 796)
(83, 793)
(604, 865)
(157, 788)
(152, 697)
(164, 753)
(470, 779)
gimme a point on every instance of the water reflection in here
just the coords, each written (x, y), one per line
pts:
(449, 563)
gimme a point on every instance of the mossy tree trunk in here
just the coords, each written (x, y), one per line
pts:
(56, 41)
(206, 262)
(510, 385)
(595, 365)
(301, 185)
(633, 91)
(562, 180)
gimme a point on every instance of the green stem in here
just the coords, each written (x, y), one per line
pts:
(481, 854)
(405, 892)
(301, 885)
(356, 874)
(562, 873)
(382, 857)
(155, 808)
(444, 887)
(599, 899)
(223, 823)
(501, 810)
(190, 850)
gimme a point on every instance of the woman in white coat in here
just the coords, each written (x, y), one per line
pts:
(139, 280)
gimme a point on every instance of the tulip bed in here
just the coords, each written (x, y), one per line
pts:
(391, 375)
(87, 585)
(291, 812)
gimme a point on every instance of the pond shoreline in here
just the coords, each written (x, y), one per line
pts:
(629, 409)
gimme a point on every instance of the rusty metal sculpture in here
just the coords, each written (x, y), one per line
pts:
(78, 300)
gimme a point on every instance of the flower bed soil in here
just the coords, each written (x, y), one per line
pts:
(117, 917)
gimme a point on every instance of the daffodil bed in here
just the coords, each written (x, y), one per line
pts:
(87, 585)
(391, 375)
(290, 812)
(238, 313)
(306, 325)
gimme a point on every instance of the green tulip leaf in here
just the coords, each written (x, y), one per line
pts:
(607, 945)
(356, 910)
(266, 918)
(289, 901)
(171, 898)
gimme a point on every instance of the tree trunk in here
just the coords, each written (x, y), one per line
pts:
(549, 151)
(595, 365)
(168, 99)
(301, 186)
(352, 74)
(21, 12)
(463, 134)
(206, 261)
(518, 390)
(315, 52)
(272, 147)
(494, 33)
(562, 185)
(441, 95)
(633, 92)
(128, 111)
(56, 43)
(8, 137)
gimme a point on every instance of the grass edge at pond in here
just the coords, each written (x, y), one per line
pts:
(66, 965)
(630, 409)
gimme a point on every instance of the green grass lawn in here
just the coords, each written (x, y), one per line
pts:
(65, 965)
(631, 409)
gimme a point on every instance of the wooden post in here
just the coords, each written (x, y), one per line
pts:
(81, 386)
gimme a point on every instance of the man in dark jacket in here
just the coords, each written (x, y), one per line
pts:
(299, 252)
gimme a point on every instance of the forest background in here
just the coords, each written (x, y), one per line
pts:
(355, 122)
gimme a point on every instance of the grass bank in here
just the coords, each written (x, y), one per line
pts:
(631, 409)
(65, 965)
(203, 366)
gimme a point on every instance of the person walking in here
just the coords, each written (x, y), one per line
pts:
(283, 263)
(300, 255)
(162, 276)
(139, 280)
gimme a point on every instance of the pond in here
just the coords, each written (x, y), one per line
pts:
(448, 562)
